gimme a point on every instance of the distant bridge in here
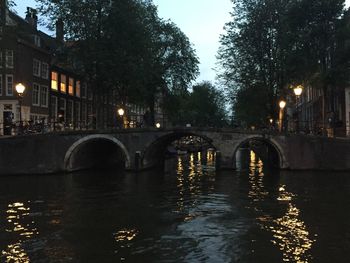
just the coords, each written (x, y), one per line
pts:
(145, 148)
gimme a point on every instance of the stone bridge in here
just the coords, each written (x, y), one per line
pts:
(145, 148)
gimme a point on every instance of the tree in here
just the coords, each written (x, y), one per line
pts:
(125, 48)
(271, 45)
(204, 106)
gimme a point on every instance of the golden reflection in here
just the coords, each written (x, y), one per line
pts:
(190, 173)
(289, 232)
(19, 224)
(15, 253)
(257, 190)
(125, 235)
(210, 158)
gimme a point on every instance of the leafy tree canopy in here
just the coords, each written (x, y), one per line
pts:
(270, 45)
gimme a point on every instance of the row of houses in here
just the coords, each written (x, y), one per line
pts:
(317, 113)
(54, 92)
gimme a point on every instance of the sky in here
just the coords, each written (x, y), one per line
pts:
(201, 20)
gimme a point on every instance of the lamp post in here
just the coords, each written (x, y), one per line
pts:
(121, 114)
(157, 125)
(20, 88)
(271, 123)
(282, 105)
(298, 90)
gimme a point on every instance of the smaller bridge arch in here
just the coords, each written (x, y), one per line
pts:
(88, 151)
(270, 142)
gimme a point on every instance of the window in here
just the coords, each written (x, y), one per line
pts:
(54, 107)
(83, 112)
(70, 111)
(0, 85)
(77, 112)
(83, 91)
(62, 112)
(9, 85)
(44, 70)
(9, 58)
(63, 83)
(44, 96)
(54, 84)
(35, 94)
(36, 67)
(77, 89)
(37, 40)
(70, 86)
(89, 92)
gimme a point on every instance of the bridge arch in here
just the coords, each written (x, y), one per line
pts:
(88, 151)
(270, 142)
(155, 150)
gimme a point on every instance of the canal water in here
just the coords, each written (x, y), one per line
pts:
(184, 212)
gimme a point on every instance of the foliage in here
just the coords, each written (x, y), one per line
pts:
(270, 45)
(204, 106)
(125, 49)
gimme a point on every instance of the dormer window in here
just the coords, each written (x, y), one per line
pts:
(37, 41)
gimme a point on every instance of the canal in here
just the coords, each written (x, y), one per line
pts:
(184, 212)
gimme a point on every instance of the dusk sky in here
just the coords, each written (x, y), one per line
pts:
(201, 20)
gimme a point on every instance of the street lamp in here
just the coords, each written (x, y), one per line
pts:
(298, 90)
(282, 105)
(157, 125)
(20, 88)
(121, 114)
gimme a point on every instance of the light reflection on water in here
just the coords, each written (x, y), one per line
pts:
(289, 232)
(21, 225)
(191, 213)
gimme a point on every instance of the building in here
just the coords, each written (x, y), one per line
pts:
(318, 113)
(54, 92)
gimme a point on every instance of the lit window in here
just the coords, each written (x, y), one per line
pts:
(70, 86)
(44, 96)
(9, 85)
(63, 83)
(45, 70)
(54, 84)
(36, 67)
(35, 94)
(9, 58)
(77, 89)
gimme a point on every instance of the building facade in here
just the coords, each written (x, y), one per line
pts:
(54, 93)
